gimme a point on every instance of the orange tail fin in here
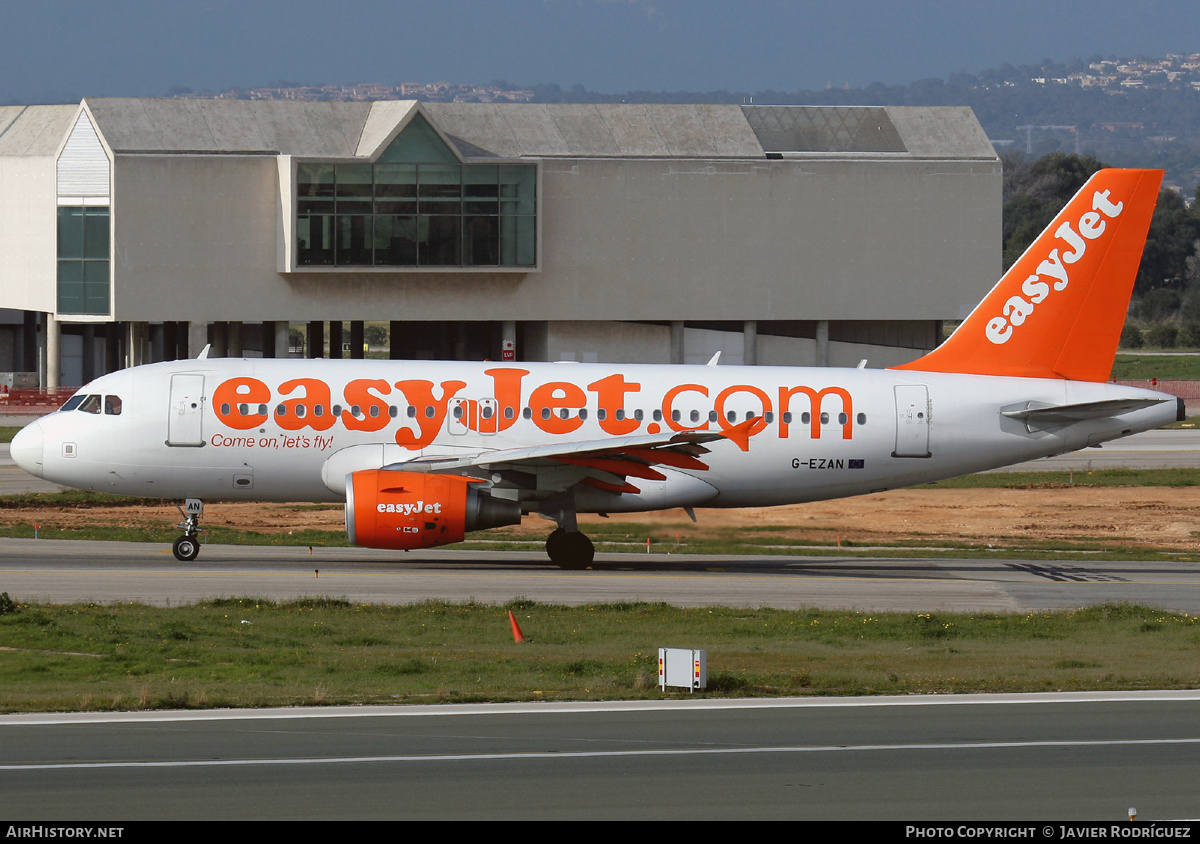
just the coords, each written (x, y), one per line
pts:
(1058, 312)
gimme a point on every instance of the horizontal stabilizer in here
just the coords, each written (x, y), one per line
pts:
(1067, 413)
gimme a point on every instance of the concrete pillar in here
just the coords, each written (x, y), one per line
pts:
(750, 342)
(53, 353)
(357, 340)
(677, 353)
(41, 350)
(508, 338)
(233, 340)
(283, 339)
(135, 345)
(822, 342)
(316, 339)
(197, 338)
(335, 340)
(395, 335)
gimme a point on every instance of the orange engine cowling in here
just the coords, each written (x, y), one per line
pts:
(389, 509)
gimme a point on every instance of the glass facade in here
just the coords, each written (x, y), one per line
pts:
(83, 278)
(416, 207)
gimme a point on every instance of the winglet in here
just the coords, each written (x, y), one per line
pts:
(740, 434)
(1058, 312)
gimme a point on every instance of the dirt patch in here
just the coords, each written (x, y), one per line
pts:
(1150, 517)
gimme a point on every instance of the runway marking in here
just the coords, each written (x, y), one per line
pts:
(589, 754)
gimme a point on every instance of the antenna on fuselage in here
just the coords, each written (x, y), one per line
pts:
(713, 360)
(204, 352)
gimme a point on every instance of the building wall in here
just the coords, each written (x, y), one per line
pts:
(623, 342)
(198, 237)
(771, 239)
(195, 239)
(28, 239)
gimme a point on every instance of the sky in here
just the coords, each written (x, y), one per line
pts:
(63, 50)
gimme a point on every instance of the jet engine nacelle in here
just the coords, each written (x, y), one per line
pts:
(405, 510)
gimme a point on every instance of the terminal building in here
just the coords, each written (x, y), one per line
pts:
(135, 230)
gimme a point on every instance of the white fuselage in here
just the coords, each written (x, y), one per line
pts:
(290, 430)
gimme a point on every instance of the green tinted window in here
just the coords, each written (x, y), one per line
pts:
(83, 270)
(417, 206)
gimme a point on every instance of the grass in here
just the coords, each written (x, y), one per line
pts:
(1130, 366)
(7, 432)
(1056, 480)
(247, 652)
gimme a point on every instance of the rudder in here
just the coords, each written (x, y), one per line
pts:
(1058, 311)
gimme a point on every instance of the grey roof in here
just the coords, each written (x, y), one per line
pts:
(625, 131)
(34, 130)
(489, 130)
(310, 129)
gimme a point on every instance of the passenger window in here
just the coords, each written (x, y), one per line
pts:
(91, 404)
(112, 405)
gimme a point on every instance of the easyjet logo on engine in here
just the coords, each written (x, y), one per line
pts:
(410, 509)
(554, 407)
(1052, 272)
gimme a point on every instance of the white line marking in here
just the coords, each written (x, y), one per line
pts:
(601, 754)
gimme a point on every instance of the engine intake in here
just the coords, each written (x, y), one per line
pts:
(405, 510)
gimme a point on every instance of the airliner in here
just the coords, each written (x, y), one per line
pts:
(423, 452)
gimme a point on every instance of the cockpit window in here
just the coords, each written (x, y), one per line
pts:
(91, 404)
(112, 405)
(72, 402)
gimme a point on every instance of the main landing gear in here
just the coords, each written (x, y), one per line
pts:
(186, 547)
(570, 549)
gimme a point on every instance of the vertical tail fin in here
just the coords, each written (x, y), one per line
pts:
(1058, 312)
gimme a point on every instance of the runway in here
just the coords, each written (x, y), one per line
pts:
(69, 571)
(1010, 757)
(960, 758)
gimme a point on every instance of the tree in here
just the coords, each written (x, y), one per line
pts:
(1173, 233)
(1035, 192)
(375, 334)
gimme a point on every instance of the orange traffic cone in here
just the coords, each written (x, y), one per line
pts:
(518, 636)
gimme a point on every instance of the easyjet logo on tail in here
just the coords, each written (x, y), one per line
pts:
(1052, 273)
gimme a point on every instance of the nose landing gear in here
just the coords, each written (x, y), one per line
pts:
(186, 547)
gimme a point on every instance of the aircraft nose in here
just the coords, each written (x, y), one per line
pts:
(26, 448)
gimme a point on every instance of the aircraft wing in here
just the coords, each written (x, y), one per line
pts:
(606, 464)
